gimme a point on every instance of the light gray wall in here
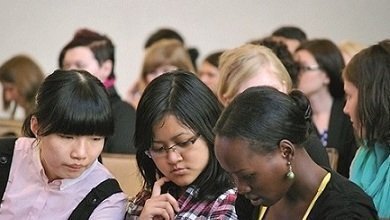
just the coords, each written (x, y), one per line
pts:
(40, 28)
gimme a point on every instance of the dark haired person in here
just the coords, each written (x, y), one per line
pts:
(255, 65)
(259, 141)
(175, 152)
(281, 51)
(319, 78)
(367, 80)
(292, 36)
(55, 165)
(208, 70)
(171, 34)
(95, 53)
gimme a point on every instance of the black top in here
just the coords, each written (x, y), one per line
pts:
(318, 154)
(124, 126)
(341, 137)
(341, 199)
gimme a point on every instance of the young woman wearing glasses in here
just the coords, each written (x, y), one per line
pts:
(319, 78)
(175, 152)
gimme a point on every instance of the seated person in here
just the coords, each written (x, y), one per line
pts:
(175, 152)
(161, 57)
(93, 52)
(55, 166)
(319, 78)
(256, 65)
(20, 77)
(367, 76)
(208, 70)
(259, 139)
(291, 36)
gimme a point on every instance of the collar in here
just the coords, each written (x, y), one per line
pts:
(108, 83)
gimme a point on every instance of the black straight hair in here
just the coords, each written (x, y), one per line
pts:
(71, 102)
(330, 60)
(263, 116)
(183, 95)
(290, 32)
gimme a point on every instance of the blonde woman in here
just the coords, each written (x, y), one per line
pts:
(247, 66)
(350, 49)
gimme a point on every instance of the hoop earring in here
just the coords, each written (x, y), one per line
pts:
(290, 174)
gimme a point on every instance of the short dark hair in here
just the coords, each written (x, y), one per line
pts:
(284, 55)
(330, 60)
(163, 33)
(213, 58)
(168, 33)
(263, 116)
(71, 102)
(101, 46)
(182, 94)
(290, 32)
(369, 72)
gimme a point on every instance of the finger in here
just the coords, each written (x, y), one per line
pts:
(172, 201)
(158, 207)
(156, 213)
(162, 214)
(157, 186)
(165, 201)
(168, 210)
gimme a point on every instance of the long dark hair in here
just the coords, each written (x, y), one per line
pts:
(183, 95)
(330, 60)
(369, 72)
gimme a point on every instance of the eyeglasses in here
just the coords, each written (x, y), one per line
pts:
(178, 147)
(303, 68)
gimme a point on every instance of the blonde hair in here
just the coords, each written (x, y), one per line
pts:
(166, 52)
(242, 63)
(349, 49)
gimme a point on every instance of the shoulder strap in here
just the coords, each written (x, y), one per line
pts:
(102, 191)
(7, 146)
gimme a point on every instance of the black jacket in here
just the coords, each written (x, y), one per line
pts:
(341, 137)
(124, 126)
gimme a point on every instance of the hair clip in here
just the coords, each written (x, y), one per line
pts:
(308, 112)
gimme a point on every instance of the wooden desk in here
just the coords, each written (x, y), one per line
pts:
(10, 126)
(124, 168)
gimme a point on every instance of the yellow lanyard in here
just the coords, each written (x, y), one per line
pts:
(323, 184)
